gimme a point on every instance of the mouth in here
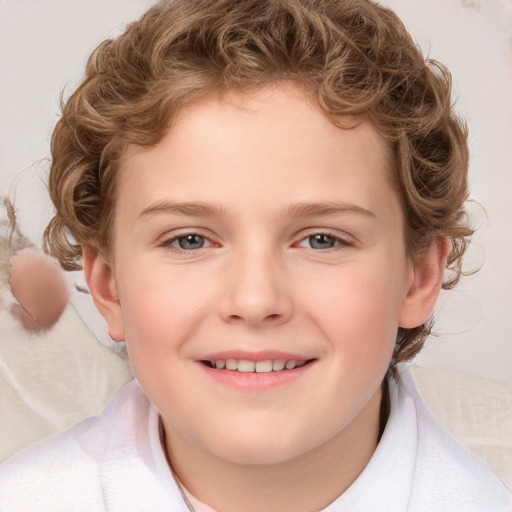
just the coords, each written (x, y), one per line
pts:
(247, 366)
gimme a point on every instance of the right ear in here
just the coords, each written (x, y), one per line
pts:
(102, 286)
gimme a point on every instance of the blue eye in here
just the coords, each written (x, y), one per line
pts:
(190, 242)
(325, 241)
(321, 241)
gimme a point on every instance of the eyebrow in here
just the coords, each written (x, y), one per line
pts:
(203, 209)
(325, 209)
(199, 209)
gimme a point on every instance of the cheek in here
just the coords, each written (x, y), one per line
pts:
(359, 292)
(162, 304)
(357, 305)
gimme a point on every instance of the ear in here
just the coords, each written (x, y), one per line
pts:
(101, 283)
(426, 284)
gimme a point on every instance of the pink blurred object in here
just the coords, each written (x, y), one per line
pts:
(40, 288)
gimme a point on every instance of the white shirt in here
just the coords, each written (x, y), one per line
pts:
(115, 462)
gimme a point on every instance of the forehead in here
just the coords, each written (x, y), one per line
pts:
(261, 148)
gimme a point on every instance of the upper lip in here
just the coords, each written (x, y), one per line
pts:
(260, 355)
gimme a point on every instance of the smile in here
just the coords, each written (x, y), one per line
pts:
(247, 366)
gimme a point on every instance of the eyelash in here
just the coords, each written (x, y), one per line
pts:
(340, 242)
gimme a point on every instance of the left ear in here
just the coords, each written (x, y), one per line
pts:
(428, 273)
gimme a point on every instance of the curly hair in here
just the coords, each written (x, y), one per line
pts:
(355, 57)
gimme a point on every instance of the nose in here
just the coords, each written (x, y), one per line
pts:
(257, 291)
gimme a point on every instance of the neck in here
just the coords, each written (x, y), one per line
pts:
(306, 483)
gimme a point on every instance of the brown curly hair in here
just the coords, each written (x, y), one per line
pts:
(355, 57)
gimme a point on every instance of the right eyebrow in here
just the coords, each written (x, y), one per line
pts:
(198, 209)
(325, 209)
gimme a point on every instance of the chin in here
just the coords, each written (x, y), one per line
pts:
(259, 445)
(257, 455)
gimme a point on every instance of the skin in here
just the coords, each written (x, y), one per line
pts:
(258, 284)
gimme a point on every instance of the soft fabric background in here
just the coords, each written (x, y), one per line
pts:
(48, 382)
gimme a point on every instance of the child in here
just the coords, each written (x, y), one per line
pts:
(264, 195)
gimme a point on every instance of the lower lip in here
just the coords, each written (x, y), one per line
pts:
(255, 381)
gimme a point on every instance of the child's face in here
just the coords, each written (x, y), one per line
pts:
(257, 230)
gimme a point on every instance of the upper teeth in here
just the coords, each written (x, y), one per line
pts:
(246, 366)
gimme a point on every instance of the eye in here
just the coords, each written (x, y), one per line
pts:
(323, 241)
(188, 242)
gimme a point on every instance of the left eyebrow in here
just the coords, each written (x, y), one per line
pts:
(325, 209)
(199, 209)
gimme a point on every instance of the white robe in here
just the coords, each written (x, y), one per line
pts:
(115, 462)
